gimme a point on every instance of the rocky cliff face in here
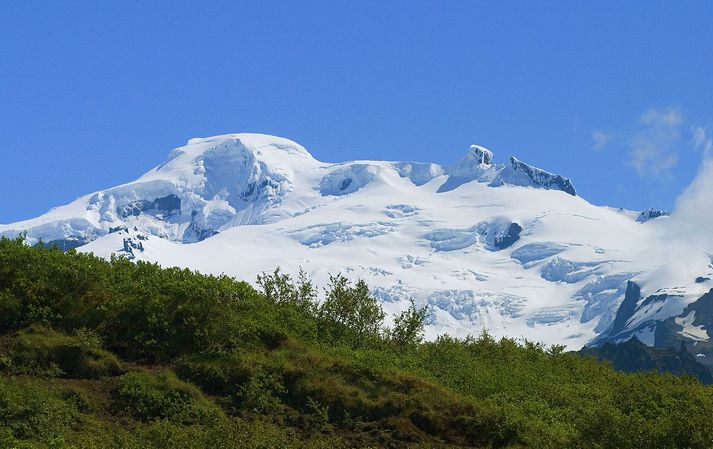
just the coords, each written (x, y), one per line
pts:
(522, 174)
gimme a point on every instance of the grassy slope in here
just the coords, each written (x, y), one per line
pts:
(116, 354)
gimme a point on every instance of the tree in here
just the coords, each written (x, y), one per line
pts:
(409, 326)
(276, 287)
(350, 312)
(306, 291)
(280, 289)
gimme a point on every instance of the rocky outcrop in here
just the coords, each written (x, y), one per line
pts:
(651, 214)
(522, 174)
(634, 356)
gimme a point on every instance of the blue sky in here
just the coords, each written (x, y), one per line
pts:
(617, 95)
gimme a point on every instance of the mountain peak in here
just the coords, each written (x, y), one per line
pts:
(253, 141)
(479, 155)
(476, 165)
(199, 148)
(522, 174)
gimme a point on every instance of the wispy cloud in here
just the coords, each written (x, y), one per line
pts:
(662, 117)
(702, 140)
(654, 144)
(601, 139)
(653, 147)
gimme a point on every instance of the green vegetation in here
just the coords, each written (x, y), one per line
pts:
(45, 352)
(115, 354)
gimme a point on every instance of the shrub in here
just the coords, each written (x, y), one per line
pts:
(248, 383)
(218, 374)
(44, 351)
(150, 396)
(30, 410)
(10, 311)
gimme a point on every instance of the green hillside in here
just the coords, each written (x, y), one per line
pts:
(116, 354)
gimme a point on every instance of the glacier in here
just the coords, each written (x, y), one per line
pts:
(506, 247)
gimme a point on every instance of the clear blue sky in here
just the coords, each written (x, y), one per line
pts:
(610, 93)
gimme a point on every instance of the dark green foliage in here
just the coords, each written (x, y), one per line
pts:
(409, 326)
(279, 288)
(43, 351)
(141, 310)
(150, 396)
(349, 312)
(213, 363)
(33, 410)
(252, 382)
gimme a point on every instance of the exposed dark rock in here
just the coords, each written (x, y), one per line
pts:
(195, 233)
(481, 155)
(249, 190)
(258, 189)
(635, 356)
(511, 236)
(703, 307)
(626, 309)
(650, 214)
(477, 162)
(670, 334)
(66, 244)
(542, 178)
(130, 245)
(165, 206)
(345, 183)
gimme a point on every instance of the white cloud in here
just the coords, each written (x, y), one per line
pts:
(702, 141)
(650, 158)
(683, 243)
(601, 139)
(653, 149)
(692, 217)
(658, 117)
(693, 214)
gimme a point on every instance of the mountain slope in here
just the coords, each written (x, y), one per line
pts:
(634, 356)
(507, 247)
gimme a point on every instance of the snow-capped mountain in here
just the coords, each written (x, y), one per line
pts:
(507, 247)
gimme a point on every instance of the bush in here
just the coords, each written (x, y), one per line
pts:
(30, 410)
(218, 374)
(249, 383)
(40, 350)
(223, 433)
(150, 396)
(10, 311)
